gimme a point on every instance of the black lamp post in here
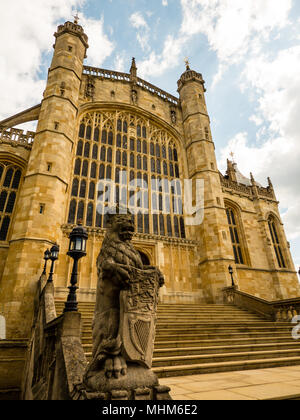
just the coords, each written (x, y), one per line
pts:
(54, 251)
(47, 255)
(230, 269)
(77, 249)
(299, 271)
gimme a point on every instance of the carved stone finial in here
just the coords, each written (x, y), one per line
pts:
(270, 183)
(133, 69)
(232, 156)
(76, 18)
(187, 64)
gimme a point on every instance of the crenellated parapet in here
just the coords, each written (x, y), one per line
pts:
(17, 137)
(190, 76)
(236, 187)
(103, 74)
(74, 29)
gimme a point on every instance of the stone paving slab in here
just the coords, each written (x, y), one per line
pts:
(260, 384)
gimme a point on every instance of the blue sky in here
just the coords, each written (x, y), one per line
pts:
(248, 51)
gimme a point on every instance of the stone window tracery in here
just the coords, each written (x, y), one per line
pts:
(112, 143)
(235, 235)
(10, 177)
(276, 242)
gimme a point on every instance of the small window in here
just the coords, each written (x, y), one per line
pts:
(42, 208)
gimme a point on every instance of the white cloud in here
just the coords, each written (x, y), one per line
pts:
(100, 47)
(165, 2)
(233, 27)
(27, 29)
(257, 120)
(157, 64)
(240, 32)
(143, 30)
(119, 63)
(276, 82)
(137, 20)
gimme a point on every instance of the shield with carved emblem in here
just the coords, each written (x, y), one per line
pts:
(138, 307)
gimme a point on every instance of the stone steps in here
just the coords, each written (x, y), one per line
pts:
(192, 339)
(189, 351)
(241, 343)
(195, 369)
(223, 357)
(179, 351)
(222, 342)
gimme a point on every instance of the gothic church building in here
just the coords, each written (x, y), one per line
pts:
(96, 124)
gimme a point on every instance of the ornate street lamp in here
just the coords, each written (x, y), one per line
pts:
(230, 269)
(77, 249)
(54, 251)
(47, 255)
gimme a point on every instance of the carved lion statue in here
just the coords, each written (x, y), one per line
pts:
(115, 262)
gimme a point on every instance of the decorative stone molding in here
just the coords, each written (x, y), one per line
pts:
(266, 193)
(16, 137)
(125, 77)
(279, 311)
(100, 232)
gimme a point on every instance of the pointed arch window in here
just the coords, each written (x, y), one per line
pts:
(79, 148)
(235, 235)
(274, 231)
(75, 187)
(114, 142)
(87, 150)
(10, 177)
(95, 151)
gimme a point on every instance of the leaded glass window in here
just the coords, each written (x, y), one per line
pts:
(235, 236)
(136, 148)
(276, 242)
(10, 178)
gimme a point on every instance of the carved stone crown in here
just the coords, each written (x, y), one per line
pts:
(190, 76)
(75, 29)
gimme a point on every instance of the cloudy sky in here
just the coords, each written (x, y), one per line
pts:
(247, 50)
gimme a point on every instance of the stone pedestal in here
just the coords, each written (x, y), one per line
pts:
(139, 384)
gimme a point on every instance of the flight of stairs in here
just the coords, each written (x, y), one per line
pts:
(194, 339)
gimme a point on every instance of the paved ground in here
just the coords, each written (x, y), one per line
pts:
(261, 384)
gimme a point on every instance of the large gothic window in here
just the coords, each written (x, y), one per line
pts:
(235, 235)
(276, 242)
(10, 177)
(141, 159)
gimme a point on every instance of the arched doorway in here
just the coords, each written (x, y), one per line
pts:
(145, 258)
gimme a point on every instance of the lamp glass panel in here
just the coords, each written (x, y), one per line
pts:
(78, 246)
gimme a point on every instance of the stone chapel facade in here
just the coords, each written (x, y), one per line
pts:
(96, 124)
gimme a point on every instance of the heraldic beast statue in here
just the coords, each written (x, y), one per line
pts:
(124, 319)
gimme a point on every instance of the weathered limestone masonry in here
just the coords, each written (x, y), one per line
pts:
(261, 276)
(43, 196)
(194, 259)
(214, 249)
